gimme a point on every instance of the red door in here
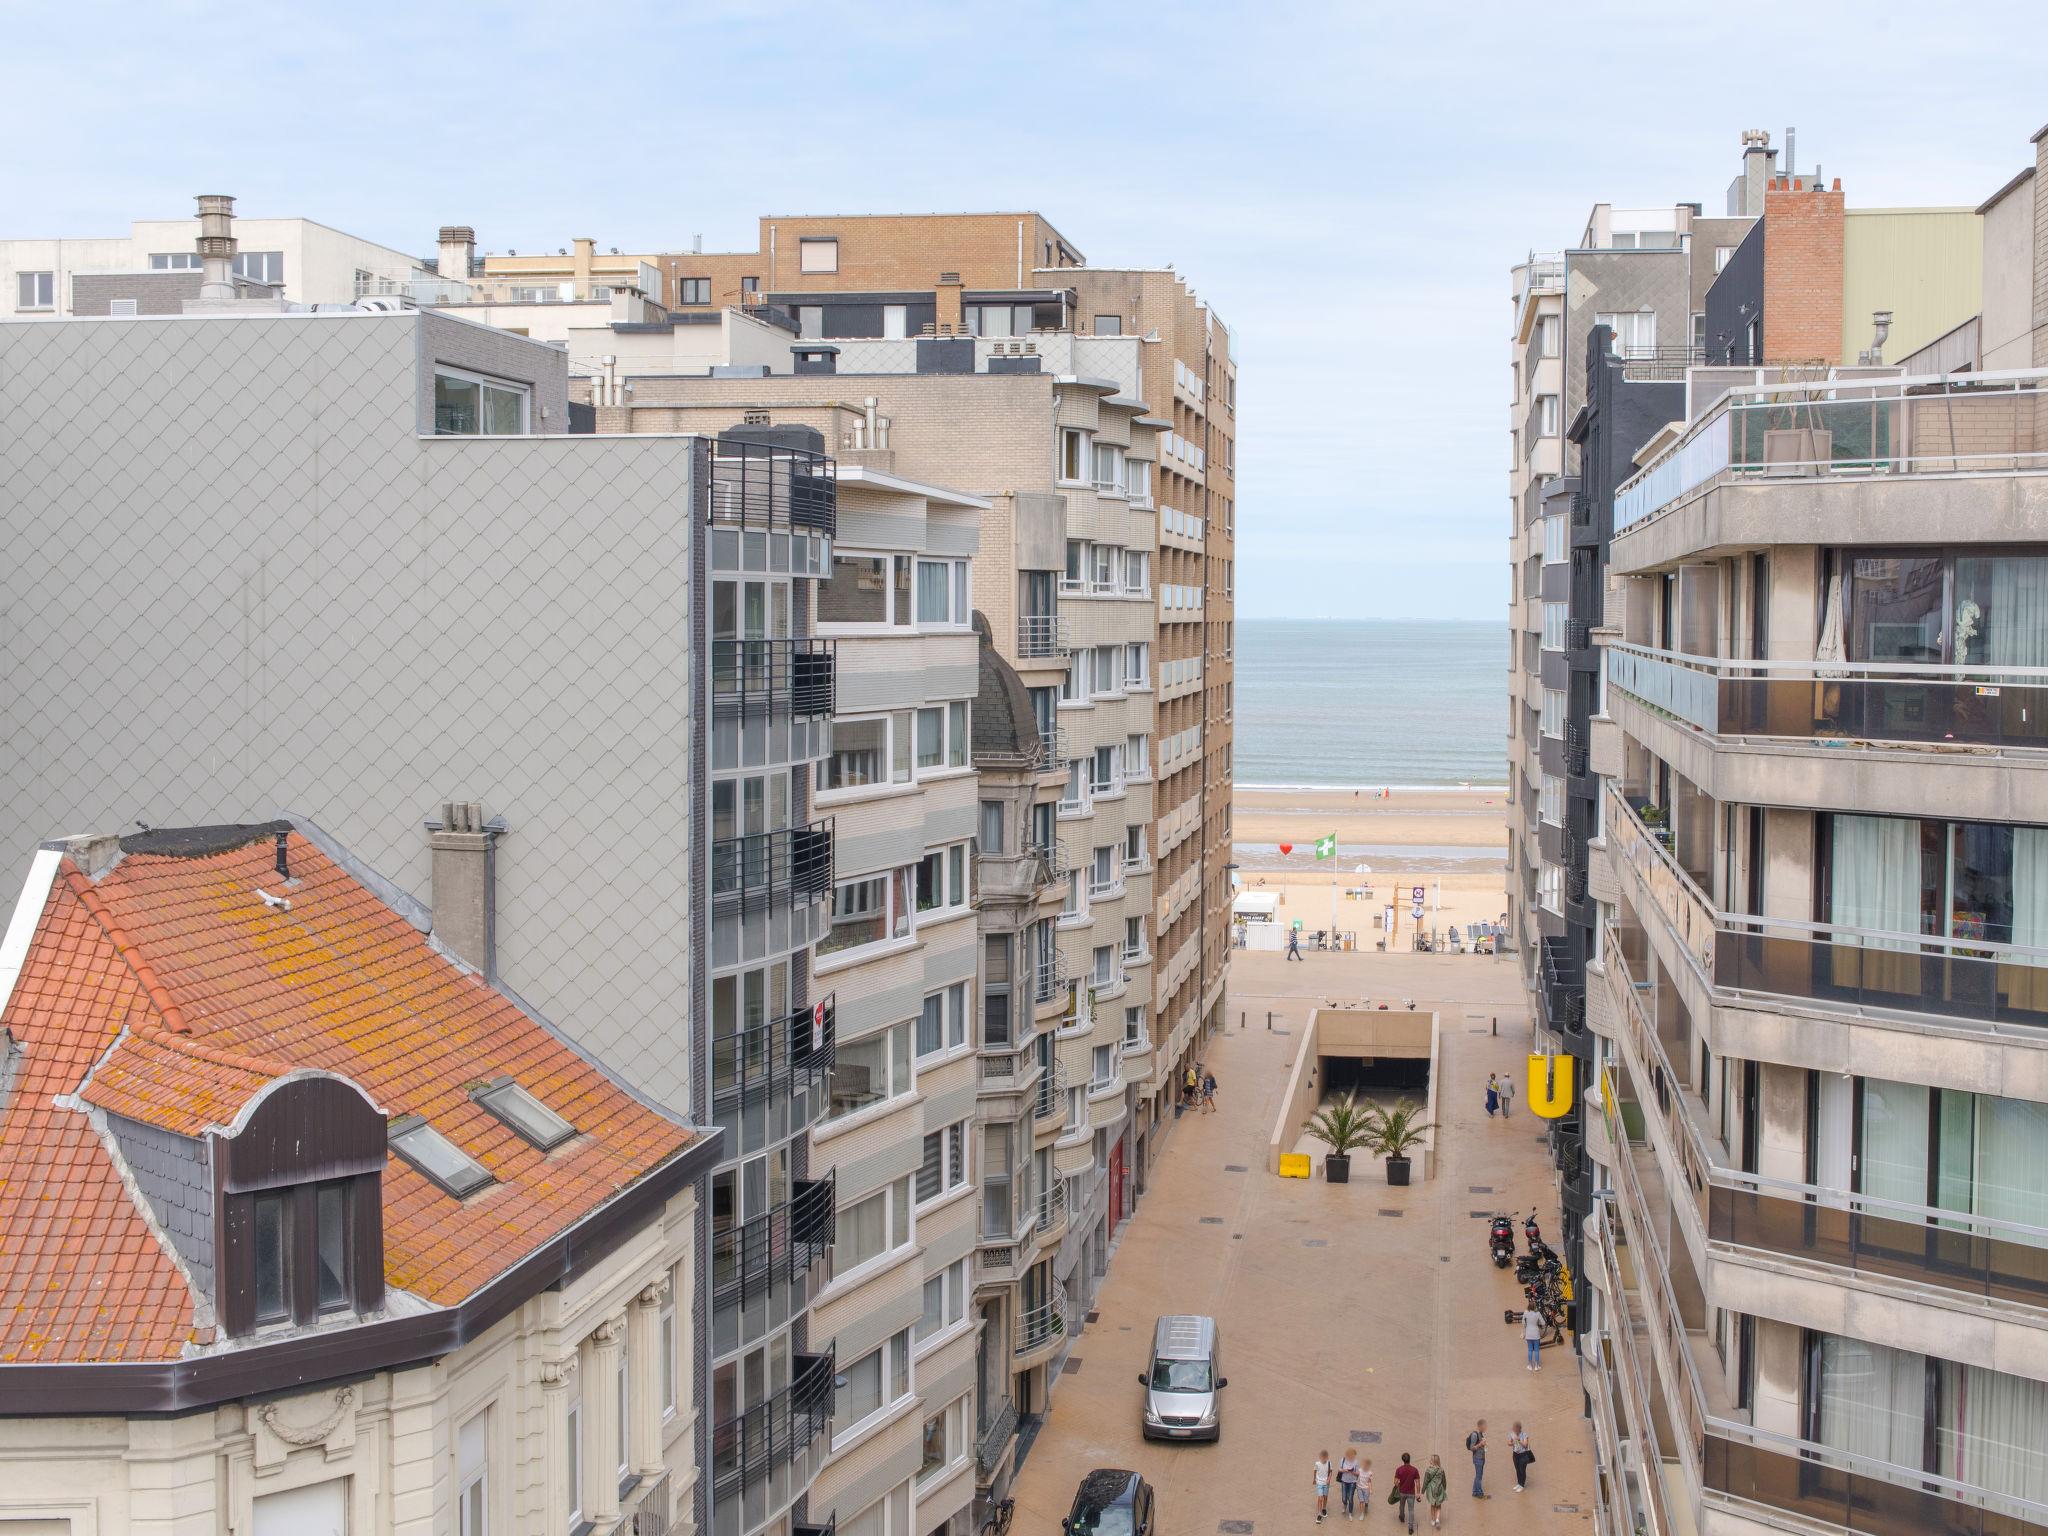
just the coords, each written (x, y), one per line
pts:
(1116, 1184)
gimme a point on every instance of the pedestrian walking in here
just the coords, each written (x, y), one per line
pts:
(1475, 1442)
(1322, 1485)
(1507, 1095)
(1518, 1450)
(1532, 1335)
(1435, 1486)
(1209, 1093)
(1294, 943)
(1347, 1482)
(1492, 1095)
(1365, 1488)
(1187, 1087)
(1407, 1480)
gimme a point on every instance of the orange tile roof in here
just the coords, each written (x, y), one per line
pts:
(206, 993)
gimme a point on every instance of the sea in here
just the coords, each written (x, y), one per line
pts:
(1367, 703)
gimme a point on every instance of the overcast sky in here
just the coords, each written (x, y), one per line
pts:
(1346, 183)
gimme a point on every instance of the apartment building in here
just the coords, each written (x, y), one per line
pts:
(898, 1136)
(363, 574)
(307, 1226)
(1051, 433)
(158, 266)
(1816, 1263)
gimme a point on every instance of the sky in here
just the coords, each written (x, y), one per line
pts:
(1346, 184)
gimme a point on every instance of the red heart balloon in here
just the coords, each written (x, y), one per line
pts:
(1287, 847)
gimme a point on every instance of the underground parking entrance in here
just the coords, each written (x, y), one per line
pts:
(1375, 1056)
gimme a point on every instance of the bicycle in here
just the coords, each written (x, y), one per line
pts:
(998, 1521)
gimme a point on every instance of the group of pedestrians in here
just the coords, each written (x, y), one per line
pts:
(1500, 1094)
(1429, 1485)
(1198, 1087)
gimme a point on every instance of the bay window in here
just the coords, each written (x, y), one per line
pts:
(869, 910)
(866, 589)
(942, 593)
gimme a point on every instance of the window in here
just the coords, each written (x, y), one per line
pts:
(1102, 966)
(995, 989)
(1554, 617)
(943, 1439)
(1140, 472)
(1546, 416)
(866, 589)
(945, 1301)
(532, 1119)
(1102, 1066)
(472, 1475)
(668, 1360)
(575, 1473)
(871, 1227)
(861, 756)
(468, 405)
(1102, 871)
(942, 1022)
(942, 737)
(870, 1071)
(330, 1246)
(35, 290)
(895, 321)
(944, 1167)
(1550, 799)
(625, 1416)
(877, 1380)
(1635, 331)
(869, 910)
(991, 834)
(272, 1243)
(1555, 551)
(1109, 325)
(1546, 335)
(1109, 469)
(1721, 255)
(1103, 778)
(1134, 1025)
(693, 290)
(810, 321)
(1137, 755)
(817, 255)
(1134, 846)
(434, 1155)
(1073, 456)
(1074, 796)
(261, 267)
(750, 285)
(1551, 722)
(1138, 665)
(942, 878)
(942, 592)
(1134, 937)
(175, 261)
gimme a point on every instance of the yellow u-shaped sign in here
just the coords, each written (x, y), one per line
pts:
(1550, 1086)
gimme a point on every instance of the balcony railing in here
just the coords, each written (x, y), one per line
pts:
(645, 1511)
(754, 1064)
(792, 864)
(760, 486)
(1050, 980)
(419, 288)
(1051, 1103)
(1839, 700)
(994, 1436)
(1939, 425)
(792, 675)
(1042, 634)
(750, 1445)
(1041, 1326)
(1675, 893)
(1052, 1207)
(775, 1246)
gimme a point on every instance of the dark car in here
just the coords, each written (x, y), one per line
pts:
(1110, 1502)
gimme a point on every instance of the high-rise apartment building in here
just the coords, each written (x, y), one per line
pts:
(1814, 1287)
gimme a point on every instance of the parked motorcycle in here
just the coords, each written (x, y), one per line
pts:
(1532, 1231)
(1500, 1241)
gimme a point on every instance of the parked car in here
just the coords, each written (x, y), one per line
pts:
(1182, 1383)
(1111, 1502)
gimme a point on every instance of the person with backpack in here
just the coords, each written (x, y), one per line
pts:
(1475, 1442)
(1435, 1488)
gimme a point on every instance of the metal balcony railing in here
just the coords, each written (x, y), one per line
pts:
(645, 1511)
(774, 1247)
(748, 1446)
(1050, 980)
(1041, 635)
(792, 675)
(1041, 1326)
(760, 485)
(1051, 1103)
(993, 1436)
(829, 1527)
(750, 1065)
(793, 864)
(1052, 1206)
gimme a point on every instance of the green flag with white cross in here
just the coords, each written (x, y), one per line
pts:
(1326, 847)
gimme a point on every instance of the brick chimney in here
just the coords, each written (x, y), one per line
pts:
(1802, 271)
(465, 849)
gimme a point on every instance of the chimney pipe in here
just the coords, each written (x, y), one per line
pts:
(284, 868)
(217, 246)
(465, 875)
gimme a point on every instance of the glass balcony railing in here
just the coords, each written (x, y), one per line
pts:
(1987, 983)
(1633, 844)
(791, 675)
(1862, 427)
(1839, 701)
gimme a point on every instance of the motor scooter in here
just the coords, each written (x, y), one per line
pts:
(1500, 1241)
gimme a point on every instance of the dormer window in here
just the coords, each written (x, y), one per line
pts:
(296, 1230)
(533, 1120)
(430, 1153)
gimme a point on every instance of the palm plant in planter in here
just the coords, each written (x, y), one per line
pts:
(1342, 1127)
(1393, 1132)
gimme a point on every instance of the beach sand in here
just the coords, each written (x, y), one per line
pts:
(1448, 841)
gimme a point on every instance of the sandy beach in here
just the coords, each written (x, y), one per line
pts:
(1452, 842)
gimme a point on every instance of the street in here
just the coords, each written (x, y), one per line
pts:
(1355, 1315)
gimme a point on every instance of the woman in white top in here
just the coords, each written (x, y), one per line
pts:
(1347, 1481)
(1322, 1485)
(1518, 1449)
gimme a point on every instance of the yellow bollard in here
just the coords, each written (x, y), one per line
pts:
(1550, 1085)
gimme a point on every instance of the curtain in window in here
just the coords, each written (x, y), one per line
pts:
(1873, 1400)
(934, 589)
(2024, 980)
(2004, 600)
(1992, 1431)
(1834, 1125)
(2012, 1149)
(1875, 883)
(1894, 1165)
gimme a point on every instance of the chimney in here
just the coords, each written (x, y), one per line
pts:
(217, 246)
(1804, 231)
(1759, 165)
(465, 849)
(458, 251)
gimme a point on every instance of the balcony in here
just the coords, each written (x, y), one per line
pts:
(1011, 1067)
(1865, 428)
(775, 1247)
(1050, 982)
(1018, 876)
(749, 1447)
(1675, 894)
(756, 486)
(792, 676)
(1041, 635)
(1837, 701)
(1051, 1104)
(644, 1511)
(794, 864)
(993, 1437)
(1052, 1211)
(1040, 1330)
(786, 1055)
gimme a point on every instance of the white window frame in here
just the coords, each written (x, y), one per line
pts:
(1136, 830)
(1137, 756)
(893, 723)
(1134, 1026)
(1137, 665)
(956, 732)
(959, 606)
(895, 1058)
(1076, 452)
(897, 1367)
(953, 1176)
(1547, 411)
(817, 253)
(1109, 457)
(953, 1308)
(899, 1231)
(523, 392)
(35, 292)
(898, 909)
(476, 1477)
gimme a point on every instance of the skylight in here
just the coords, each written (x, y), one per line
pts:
(525, 1114)
(438, 1158)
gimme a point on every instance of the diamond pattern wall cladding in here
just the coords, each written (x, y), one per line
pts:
(238, 582)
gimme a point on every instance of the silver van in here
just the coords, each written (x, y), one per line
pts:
(1181, 1386)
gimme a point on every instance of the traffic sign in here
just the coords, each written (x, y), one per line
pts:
(1415, 894)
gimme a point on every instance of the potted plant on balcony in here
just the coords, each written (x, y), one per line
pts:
(1394, 1132)
(1341, 1127)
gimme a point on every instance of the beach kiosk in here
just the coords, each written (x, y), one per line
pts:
(1256, 916)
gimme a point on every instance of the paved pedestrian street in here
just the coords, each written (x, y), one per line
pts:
(1350, 1315)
